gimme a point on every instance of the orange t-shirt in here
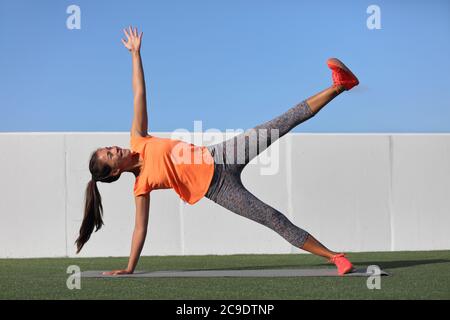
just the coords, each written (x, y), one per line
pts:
(169, 163)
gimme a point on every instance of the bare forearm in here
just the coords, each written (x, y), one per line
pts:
(138, 74)
(137, 244)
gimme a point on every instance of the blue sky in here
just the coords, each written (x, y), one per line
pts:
(231, 64)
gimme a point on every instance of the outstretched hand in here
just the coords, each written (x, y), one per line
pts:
(117, 272)
(133, 41)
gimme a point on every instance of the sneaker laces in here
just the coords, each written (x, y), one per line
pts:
(333, 258)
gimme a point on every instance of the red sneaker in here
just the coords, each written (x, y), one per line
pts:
(343, 265)
(342, 76)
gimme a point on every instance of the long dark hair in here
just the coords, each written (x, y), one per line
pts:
(93, 209)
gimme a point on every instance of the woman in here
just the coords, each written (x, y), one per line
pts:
(217, 176)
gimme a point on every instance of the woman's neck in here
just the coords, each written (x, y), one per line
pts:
(137, 165)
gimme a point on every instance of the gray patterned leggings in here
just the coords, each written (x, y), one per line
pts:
(230, 158)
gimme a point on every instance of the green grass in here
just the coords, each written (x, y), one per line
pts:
(414, 275)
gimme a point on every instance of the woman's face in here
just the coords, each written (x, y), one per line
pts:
(115, 157)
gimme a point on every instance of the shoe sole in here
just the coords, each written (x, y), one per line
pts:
(333, 62)
(352, 269)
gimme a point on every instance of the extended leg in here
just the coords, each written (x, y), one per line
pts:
(321, 99)
(260, 137)
(244, 147)
(236, 198)
(314, 246)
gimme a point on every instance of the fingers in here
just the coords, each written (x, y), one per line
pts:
(130, 30)
(140, 35)
(112, 273)
(132, 33)
(126, 33)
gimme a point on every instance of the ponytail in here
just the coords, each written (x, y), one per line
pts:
(93, 213)
(93, 209)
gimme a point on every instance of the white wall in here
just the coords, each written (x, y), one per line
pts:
(355, 192)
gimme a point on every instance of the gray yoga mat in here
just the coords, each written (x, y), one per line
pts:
(234, 273)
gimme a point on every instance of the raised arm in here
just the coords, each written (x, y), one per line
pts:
(140, 119)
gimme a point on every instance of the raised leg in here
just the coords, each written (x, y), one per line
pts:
(242, 148)
(321, 99)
